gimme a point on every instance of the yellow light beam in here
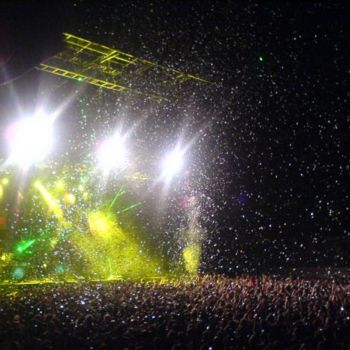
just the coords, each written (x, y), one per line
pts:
(51, 203)
(191, 257)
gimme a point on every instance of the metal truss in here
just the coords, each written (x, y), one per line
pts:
(108, 68)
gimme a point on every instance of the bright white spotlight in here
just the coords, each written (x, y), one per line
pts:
(29, 140)
(112, 154)
(173, 164)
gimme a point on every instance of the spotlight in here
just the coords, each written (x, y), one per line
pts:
(112, 154)
(29, 140)
(173, 164)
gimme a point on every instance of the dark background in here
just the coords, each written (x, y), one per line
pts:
(274, 160)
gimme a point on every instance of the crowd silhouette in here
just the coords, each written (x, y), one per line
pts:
(210, 312)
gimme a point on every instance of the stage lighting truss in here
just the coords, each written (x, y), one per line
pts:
(108, 68)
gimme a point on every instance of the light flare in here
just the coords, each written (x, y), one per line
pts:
(29, 140)
(112, 154)
(173, 164)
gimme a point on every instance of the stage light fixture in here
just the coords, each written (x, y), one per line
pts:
(112, 154)
(173, 164)
(29, 140)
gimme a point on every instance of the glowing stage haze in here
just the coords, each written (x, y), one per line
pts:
(72, 221)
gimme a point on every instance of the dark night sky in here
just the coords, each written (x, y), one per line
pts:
(277, 150)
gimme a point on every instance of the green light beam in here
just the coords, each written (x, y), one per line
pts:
(129, 208)
(24, 245)
(120, 192)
